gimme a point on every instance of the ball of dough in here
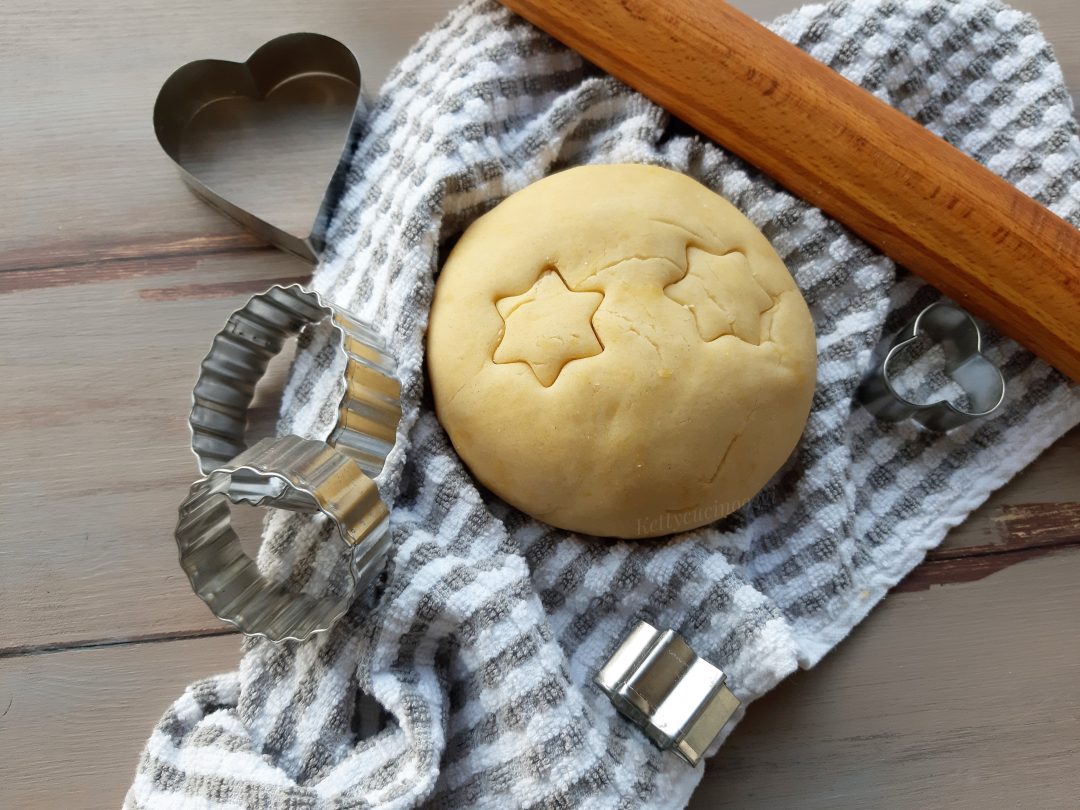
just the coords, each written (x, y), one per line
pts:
(617, 351)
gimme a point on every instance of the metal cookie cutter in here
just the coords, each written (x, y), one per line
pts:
(958, 335)
(317, 77)
(370, 405)
(659, 683)
(301, 475)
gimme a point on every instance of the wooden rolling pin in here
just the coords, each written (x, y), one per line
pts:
(919, 200)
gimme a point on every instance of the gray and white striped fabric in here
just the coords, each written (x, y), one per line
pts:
(482, 642)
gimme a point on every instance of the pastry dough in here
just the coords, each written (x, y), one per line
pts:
(616, 350)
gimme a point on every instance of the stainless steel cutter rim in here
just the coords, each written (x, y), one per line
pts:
(941, 414)
(681, 707)
(195, 85)
(368, 540)
(222, 394)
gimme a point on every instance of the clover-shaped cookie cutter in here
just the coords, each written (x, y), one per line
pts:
(370, 405)
(959, 337)
(301, 475)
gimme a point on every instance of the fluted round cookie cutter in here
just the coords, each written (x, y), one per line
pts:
(370, 405)
(287, 472)
(958, 335)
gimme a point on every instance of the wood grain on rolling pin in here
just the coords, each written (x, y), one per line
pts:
(918, 199)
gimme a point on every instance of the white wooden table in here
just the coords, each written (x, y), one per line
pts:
(960, 690)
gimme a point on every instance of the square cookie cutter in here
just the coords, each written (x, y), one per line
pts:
(660, 684)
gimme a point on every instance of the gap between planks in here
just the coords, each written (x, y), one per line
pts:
(66, 267)
(98, 644)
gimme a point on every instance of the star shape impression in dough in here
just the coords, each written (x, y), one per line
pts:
(722, 295)
(547, 326)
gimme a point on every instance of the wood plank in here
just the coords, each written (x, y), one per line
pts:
(961, 696)
(102, 237)
(72, 723)
(81, 169)
(1020, 532)
(97, 446)
(921, 707)
(1053, 479)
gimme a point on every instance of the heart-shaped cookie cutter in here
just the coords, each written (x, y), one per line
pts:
(959, 337)
(196, 85)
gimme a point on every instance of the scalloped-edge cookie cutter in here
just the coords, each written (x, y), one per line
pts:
(958, 335)
(370, 405)
(679, 700)
(301, 475)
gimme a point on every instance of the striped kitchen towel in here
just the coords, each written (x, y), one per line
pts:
(481, 643)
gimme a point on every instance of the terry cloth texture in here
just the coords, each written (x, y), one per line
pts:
(489, 627)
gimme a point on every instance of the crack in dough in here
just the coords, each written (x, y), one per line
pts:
(727, 450)
(632, 328)
(596, 280)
